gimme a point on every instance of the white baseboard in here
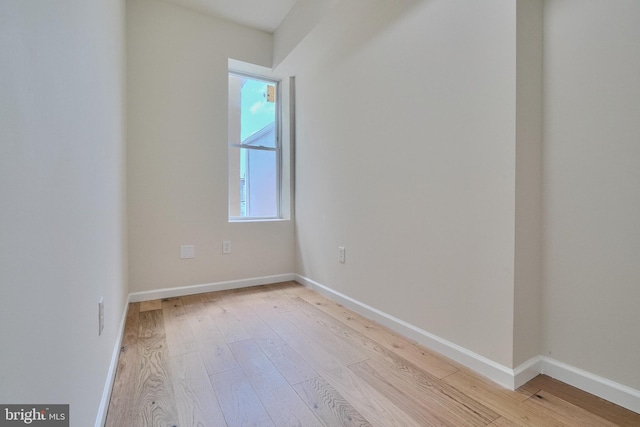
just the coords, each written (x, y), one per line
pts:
(527, 371)
(619, 394)
(612, 391)
(111, 374)
(209, 287)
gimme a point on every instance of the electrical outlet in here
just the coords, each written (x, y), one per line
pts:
(100, 316)
(341, 254)
(226, 247)
(187, 252)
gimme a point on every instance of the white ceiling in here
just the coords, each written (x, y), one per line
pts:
(265, 15)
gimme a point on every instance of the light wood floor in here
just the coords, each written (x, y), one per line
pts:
(284, 355)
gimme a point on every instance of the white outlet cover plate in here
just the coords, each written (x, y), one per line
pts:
(187, 251)
(100, 316)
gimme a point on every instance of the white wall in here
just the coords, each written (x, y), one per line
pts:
(62, 220)
(405, 155)
(177, 151)
(592, 182)
(301, 19)
(527, 328)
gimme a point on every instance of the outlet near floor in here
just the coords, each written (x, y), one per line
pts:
(100, 316)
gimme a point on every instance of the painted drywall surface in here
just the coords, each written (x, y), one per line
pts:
(405, 155)
(177, 151)
(527, 341)
(62, 191)
(592, 202)
(300, 20)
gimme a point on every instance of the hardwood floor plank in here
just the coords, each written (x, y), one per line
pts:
(441, 399)
(210, 296)
(121, 408)
(202, 325)
(566, 412)
(281, 401)
(373, 348)
(404, 401)
(155, 304)
(508, 404)
(428, 408)
(154, 399)
(342, 344)
(426, 360)
(240, 404)
(328, 405)
(607, 410)
(243, 294)
(290, 364)
(180, 338)
(445, 401)
(228, 325)
(368, 401)
(253, 324)
(191, 299)
(504, 422)
(196, 402)
(214, 351)
(217, 357)
(528, 389)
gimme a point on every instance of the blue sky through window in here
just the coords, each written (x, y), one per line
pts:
(256, 112)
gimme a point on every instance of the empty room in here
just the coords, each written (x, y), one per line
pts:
(209, 219)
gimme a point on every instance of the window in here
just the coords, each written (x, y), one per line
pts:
(255, 155)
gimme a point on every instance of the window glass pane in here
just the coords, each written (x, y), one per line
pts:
(258, 113)
(254, 183)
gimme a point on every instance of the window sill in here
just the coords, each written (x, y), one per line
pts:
(238, 220)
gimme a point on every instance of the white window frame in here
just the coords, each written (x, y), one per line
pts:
(282, 144)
